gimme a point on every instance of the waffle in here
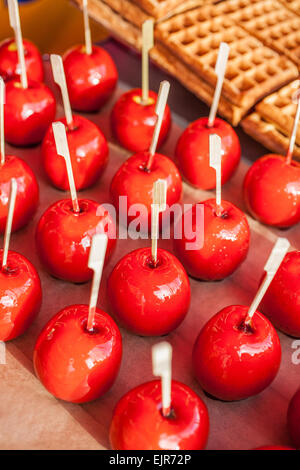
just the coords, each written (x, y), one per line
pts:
(253, 70)
(161, 8)
(268, 20)
(118, 26)
(280, 109)
(268, 135)
(129, 11)
(134, 13)
(293, 5)
(162, 57)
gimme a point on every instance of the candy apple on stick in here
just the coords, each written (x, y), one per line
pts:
(11, 54)
(160, 415)
(20, 287)
(27, 188)
(192, 151)
(281, 303)
(135, 178)
(148, 289)
(225, 230)
(272, 186)
(65, 230)
(78, 353)
(88, 146)
(245, 336)
(30, 105)
(90, 72)
(134, 117)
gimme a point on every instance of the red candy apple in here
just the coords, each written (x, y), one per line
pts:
(225, 241)
(293, 419)
(192, 153)
(20, 295)
(272, 191)
(232, 360)
(149, 299)
(88, 150)
(91, 78)
(28, 112)
(73, 363)
(27, 192)
(138, 422)
(9, 61)
(281, 303)
(133, 121)
(63, 238)
(135, 181)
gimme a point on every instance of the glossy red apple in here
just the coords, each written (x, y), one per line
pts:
(293, 419)
(149, 299)
(135, 181)
(20, 295)
(272, 191)
(233, 361)
(133, 121)
(91, 79)
(138, 422)
(281, 303)
(225, 243)
(27, 192)
(27, 112)
(192, 153)
(73, 363)
(63, 238)
(88, 151)
(9, 61)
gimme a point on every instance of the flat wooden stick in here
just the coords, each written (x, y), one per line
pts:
(2, 138)
(159, 110)
(62, 148)
(10, 215)
(289, 155)
(147, 44)
(87, 29)
(60, 80)
(220, 69)
(162, 367)
(215, 148)
(96, 263)
(158, 206)
(14, 19)
(275, 259)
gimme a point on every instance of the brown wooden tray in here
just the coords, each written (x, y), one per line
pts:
(30, 418)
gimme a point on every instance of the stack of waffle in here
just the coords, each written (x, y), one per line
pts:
(264, 39)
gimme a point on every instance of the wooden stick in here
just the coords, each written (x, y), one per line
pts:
(10, 215)
(60, 80)
(62, 148)
(147, 44)
(14, 19)
(87, 29)
(96, 263)
(275, 259)
(158, 206)
(289, 155)
(2, 138)
(162, 367)
(220, 69)
(159, 110)
(215, 148)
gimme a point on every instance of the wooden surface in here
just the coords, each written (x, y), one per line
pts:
(30, 418)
